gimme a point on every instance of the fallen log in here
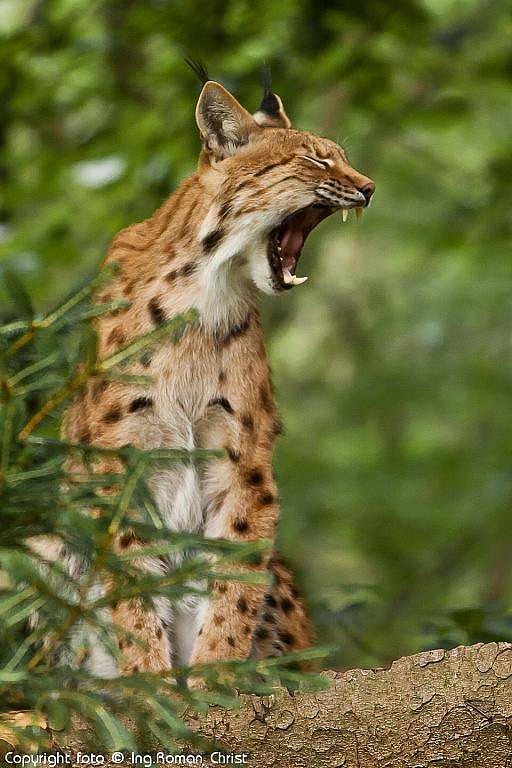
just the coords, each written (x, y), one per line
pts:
(436, 709)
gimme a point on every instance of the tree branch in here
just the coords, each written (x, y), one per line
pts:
(437, 708)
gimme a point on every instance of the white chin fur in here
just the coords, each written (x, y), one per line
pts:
(259, 270)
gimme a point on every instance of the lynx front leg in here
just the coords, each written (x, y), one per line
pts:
(230, 619)
(162, 643)
(244, 508)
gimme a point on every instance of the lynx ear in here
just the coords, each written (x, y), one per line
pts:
(271, 112)
(224, 124)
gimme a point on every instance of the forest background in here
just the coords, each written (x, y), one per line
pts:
(393, 364)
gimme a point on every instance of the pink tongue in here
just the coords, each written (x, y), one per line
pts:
(292, 241)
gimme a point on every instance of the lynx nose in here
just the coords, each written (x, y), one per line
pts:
(367, 189)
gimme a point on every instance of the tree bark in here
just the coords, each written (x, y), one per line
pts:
(431, 710)
(437, 708)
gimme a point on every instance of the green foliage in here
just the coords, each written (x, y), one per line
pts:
(396, 355)
(46, 487)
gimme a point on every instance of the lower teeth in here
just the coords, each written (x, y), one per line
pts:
(290, 279)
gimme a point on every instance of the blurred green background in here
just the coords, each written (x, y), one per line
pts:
(393, 364)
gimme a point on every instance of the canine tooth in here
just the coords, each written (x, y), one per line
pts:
(359, 213)
(344, 214)
(290, 279)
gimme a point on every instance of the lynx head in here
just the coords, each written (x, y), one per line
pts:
(271, 184)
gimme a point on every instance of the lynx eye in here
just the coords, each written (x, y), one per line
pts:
(321, 163)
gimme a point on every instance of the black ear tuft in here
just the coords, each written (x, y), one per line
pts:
(269, 103)
(270, 113)
(198, 68)
(267, 80)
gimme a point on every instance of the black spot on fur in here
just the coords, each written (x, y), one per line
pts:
(212, 238)
(188, 269)
(156, 312)
(241, 526)
(116, 336)
(286, 637)
(223, 402)
(145, 360)
(231, 641)
(261, 633)
(247, 629)
(236, 331)
(234, 456)
(269, 618)
(171, 276)
(224, 210)
(126, 539)
(270, 600)
(139, 403)
(242, 605)
(222, 377)
(287, 605)
(248, 422)
(159, 633)
(254, 477)
(267, 498)
(113, 415)
(255, 559)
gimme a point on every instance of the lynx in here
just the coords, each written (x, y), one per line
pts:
(233, 229)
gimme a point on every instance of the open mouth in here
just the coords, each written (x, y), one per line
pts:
(287, 240)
